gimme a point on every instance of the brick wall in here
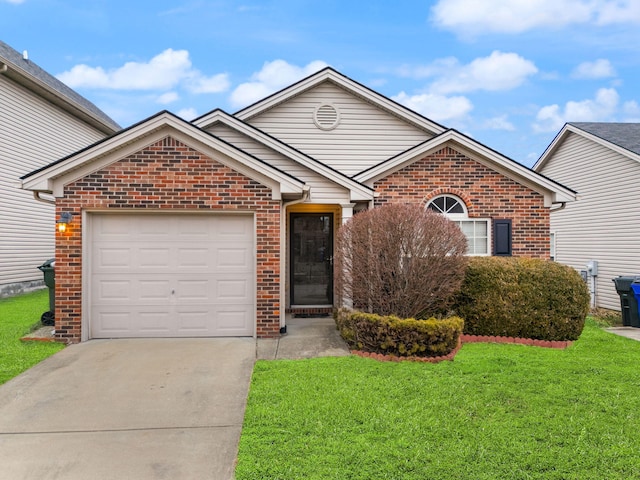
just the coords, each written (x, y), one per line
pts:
(486, 193)
(167, 175)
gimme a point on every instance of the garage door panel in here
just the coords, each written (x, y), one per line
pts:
(193, 290)
(235, 229)
(231, 320)
(236, 291)
(114, 321)
(233, 258)
(153, 257)
(194, 320)
(114, 290)
(172, 275)
(150, 321)
(156, 291)
(194, 257)
(113, 258)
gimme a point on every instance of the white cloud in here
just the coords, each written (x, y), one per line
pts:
(165, 71)
(499, 123)
(498, 71)
(600, 68)
(621, 11)
(631, 111)
(602, 108)
(436, 107)
(516, 16)
(187, 113)
(273, 76)
(214, 84)
(167, 98)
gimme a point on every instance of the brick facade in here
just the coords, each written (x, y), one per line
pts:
(167, 175)
(486, 193)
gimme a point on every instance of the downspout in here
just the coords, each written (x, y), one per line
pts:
(561, 207)
(283, 251)
(36, 195)
(3, 67)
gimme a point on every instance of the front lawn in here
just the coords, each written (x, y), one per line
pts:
(497, 411)
(18, 315)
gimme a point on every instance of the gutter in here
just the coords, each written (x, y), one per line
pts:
(36, 195)
(306, 191)
(561, 207)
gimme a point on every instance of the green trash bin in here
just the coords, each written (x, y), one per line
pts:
(628, 301)
(48, 269)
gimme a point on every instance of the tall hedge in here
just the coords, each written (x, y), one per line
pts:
(522, 297)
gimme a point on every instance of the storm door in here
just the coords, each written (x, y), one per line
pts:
(311, 259)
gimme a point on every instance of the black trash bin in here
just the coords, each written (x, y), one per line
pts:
(628, 301)
(48, 269)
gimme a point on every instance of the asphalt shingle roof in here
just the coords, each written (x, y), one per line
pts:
(625, 135)
(15, 60)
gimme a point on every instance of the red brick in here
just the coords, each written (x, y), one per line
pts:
(166, 175)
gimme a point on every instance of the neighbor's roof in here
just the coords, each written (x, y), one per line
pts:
(625, 135)
(30, 75)
(623, 138)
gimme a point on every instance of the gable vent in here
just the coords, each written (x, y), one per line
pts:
(326, 117)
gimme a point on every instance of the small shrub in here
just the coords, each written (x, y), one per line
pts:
(391, 335)
(522, 297)
(399, 260)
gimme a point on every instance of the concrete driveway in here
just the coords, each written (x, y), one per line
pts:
(128, 409)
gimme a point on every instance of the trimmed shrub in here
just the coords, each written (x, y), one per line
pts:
(391, 335)
(522, 297)
(399, 259)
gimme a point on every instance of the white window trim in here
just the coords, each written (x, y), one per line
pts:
(464, 217)
(488, 223)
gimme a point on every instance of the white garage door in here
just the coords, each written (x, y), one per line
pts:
(171, 275)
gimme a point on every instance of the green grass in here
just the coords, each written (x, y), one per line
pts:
(18, 316)
(497, 411)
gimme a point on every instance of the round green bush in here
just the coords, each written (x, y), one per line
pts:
(522, 297)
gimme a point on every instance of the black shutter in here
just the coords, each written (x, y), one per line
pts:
(502, 237)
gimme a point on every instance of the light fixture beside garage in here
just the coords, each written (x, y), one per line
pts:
(63, 222)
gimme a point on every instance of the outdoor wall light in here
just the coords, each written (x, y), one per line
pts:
(64, 221)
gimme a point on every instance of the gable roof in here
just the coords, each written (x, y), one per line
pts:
(328, 74)
(625, 135)
(623, 138)
(31, 76)
(357, 189)
(553, 191)
(53, 177)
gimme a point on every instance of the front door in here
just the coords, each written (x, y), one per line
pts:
(311, 259)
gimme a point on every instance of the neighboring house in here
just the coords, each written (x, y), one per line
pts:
(222, 225)
(41, 120)
(601, 161)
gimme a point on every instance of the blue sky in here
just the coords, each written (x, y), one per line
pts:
(509, 73)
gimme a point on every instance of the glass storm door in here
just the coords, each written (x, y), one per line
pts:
(311, 259)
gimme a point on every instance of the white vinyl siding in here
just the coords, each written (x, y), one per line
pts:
(364, 136)
(322, 189)
(604, 224)
(33, 133)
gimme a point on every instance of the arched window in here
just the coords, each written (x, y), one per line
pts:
(476, 230)
(448, 205)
